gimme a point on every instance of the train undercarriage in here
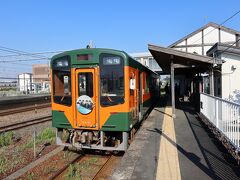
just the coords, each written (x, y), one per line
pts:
(98, 140)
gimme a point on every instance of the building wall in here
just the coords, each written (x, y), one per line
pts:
(25, 82)
(230, 77)
(146, 59)
(211, 35)
(40, 72)
(227, 37)
(207, 38)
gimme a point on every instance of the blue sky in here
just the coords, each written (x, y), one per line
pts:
(36, 26)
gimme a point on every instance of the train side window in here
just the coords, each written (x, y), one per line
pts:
(147, 83)
(62, 87)
(85, 84)
(111, 80)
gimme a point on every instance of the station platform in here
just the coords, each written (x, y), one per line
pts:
(13, 101)
(179, 148)
(29, 96)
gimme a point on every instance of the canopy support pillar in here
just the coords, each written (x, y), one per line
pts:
(173, 89)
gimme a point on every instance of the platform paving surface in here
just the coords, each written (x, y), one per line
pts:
(180, 148)
(140, 161)
(201, 155)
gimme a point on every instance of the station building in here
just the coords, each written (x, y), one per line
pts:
(212, 40)
(226, 77)
(207, 41)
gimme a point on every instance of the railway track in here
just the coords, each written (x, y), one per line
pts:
(64, 168)
(101, 173)
(23, 124)
(24, 109)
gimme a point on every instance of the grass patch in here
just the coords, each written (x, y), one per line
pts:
(47, 135)
(3, 164)
(30, 176)
(8, 165)
(73, 173)
(6, 138)
(93, 160)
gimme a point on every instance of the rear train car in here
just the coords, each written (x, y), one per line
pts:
(99, 96)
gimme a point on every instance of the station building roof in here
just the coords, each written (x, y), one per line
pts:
(219, 48)
(210, 24)
(183, 61)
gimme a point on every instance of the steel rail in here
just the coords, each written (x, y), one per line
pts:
(101, 170)
(78, 158)
(60, 171)
(23, 124)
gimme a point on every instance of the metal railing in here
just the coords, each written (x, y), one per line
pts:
(224, 115)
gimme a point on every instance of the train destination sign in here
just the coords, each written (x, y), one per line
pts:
(114, 60)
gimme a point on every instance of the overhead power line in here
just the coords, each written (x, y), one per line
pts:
(230, 46)
(226, 20)
(225, 49)
(36, 53)
(2, 48)
(18, 60)
(230, 17)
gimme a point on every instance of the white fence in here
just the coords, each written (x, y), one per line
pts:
(224, 115)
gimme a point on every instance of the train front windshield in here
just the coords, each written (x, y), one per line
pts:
(62, 81)
(111, 79)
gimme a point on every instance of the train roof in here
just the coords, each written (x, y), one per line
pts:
(98, 51)
(87, 50)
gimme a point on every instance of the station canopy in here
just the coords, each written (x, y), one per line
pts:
(183, 61)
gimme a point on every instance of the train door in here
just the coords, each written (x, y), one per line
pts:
(86, 98)
(140, 95)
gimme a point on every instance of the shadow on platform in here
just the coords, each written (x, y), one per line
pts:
(219, 164)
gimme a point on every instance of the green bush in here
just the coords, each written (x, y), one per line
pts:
(6, 138)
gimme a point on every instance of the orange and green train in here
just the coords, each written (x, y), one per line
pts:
(99, 96)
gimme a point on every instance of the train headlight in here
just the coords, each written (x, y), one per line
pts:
(62, 63)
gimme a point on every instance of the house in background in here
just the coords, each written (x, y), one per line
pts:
(146, 59)
(41, 78)
(25, 82)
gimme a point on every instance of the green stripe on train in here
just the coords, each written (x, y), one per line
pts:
(122, 121)
(59, 120)
(118, 122)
